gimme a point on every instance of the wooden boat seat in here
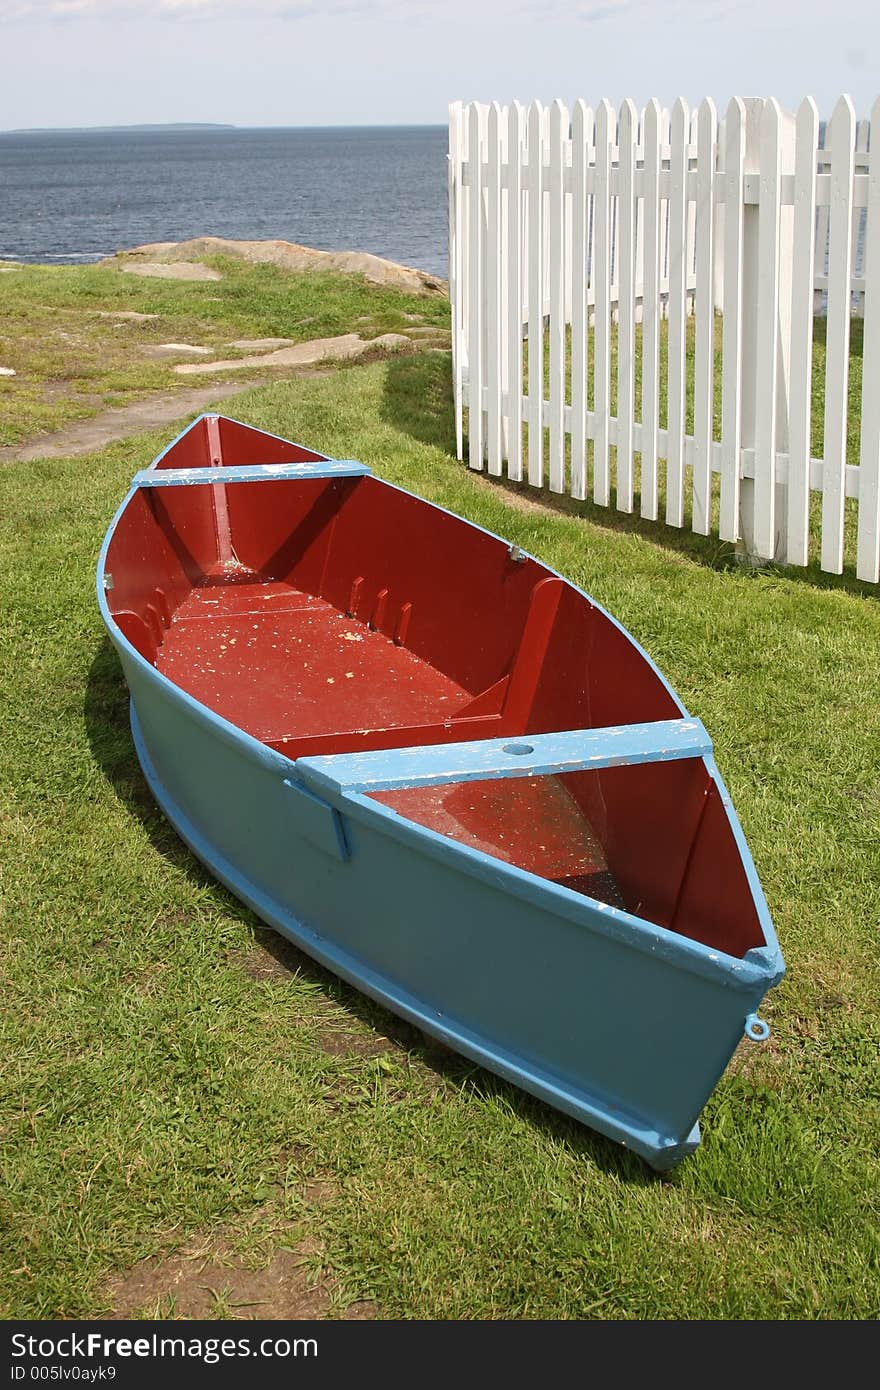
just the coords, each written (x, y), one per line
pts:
(249, 473)
(512, 798)
(576, 750)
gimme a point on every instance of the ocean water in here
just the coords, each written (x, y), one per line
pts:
(75, 196)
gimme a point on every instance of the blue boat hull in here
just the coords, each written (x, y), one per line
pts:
(534, 984)
(622, 1023)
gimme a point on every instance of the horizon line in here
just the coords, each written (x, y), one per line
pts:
(217, 125)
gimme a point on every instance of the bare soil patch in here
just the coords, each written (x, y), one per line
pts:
(120, 423)
(260, 964)
(206, 1278)
(339, 1042)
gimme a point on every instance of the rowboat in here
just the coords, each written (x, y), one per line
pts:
(444, 772)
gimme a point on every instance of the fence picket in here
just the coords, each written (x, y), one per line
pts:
(691, 271)
(731, 375)
(462, 254)
(797, 541)
(840, 142)
(536, 295)
(454, 194)
(545, 143)
(704, 313)
(766, 364)
(581, 140)
(602, 311)
(475, 293)
(558, 132)
(676, 343)
(626, 228)
(868, 556)
(623, 221)
(514, 290)
(493, 268)
(651, 313)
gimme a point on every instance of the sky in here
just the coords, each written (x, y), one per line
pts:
(398, 62)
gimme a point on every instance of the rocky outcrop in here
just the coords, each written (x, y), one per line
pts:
(347, 348)
(286, 254)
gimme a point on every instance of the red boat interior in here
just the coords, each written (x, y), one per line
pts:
(336, 614)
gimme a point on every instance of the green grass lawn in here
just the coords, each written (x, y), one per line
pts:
(172, 1073)
(72, 360)
(817, 425)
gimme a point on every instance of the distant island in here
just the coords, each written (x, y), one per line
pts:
(119, 129)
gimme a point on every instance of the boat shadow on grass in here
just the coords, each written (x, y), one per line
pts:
(105, 713)
(374, 1029)
(378, 1029)
(418, 401)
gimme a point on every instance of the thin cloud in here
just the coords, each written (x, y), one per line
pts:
(294, 10)
(43, 10)
(745, 13)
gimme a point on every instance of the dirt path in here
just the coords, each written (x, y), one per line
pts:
(161, 407)
(88, 435)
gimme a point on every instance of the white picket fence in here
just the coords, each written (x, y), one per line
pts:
(568, 231)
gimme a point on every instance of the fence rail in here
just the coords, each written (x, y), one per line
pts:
(582, 242)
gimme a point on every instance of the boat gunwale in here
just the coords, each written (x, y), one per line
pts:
(760, 966)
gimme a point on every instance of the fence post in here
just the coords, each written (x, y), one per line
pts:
(755, 290)
(536, 294)
(494, 271)
(868, 559)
